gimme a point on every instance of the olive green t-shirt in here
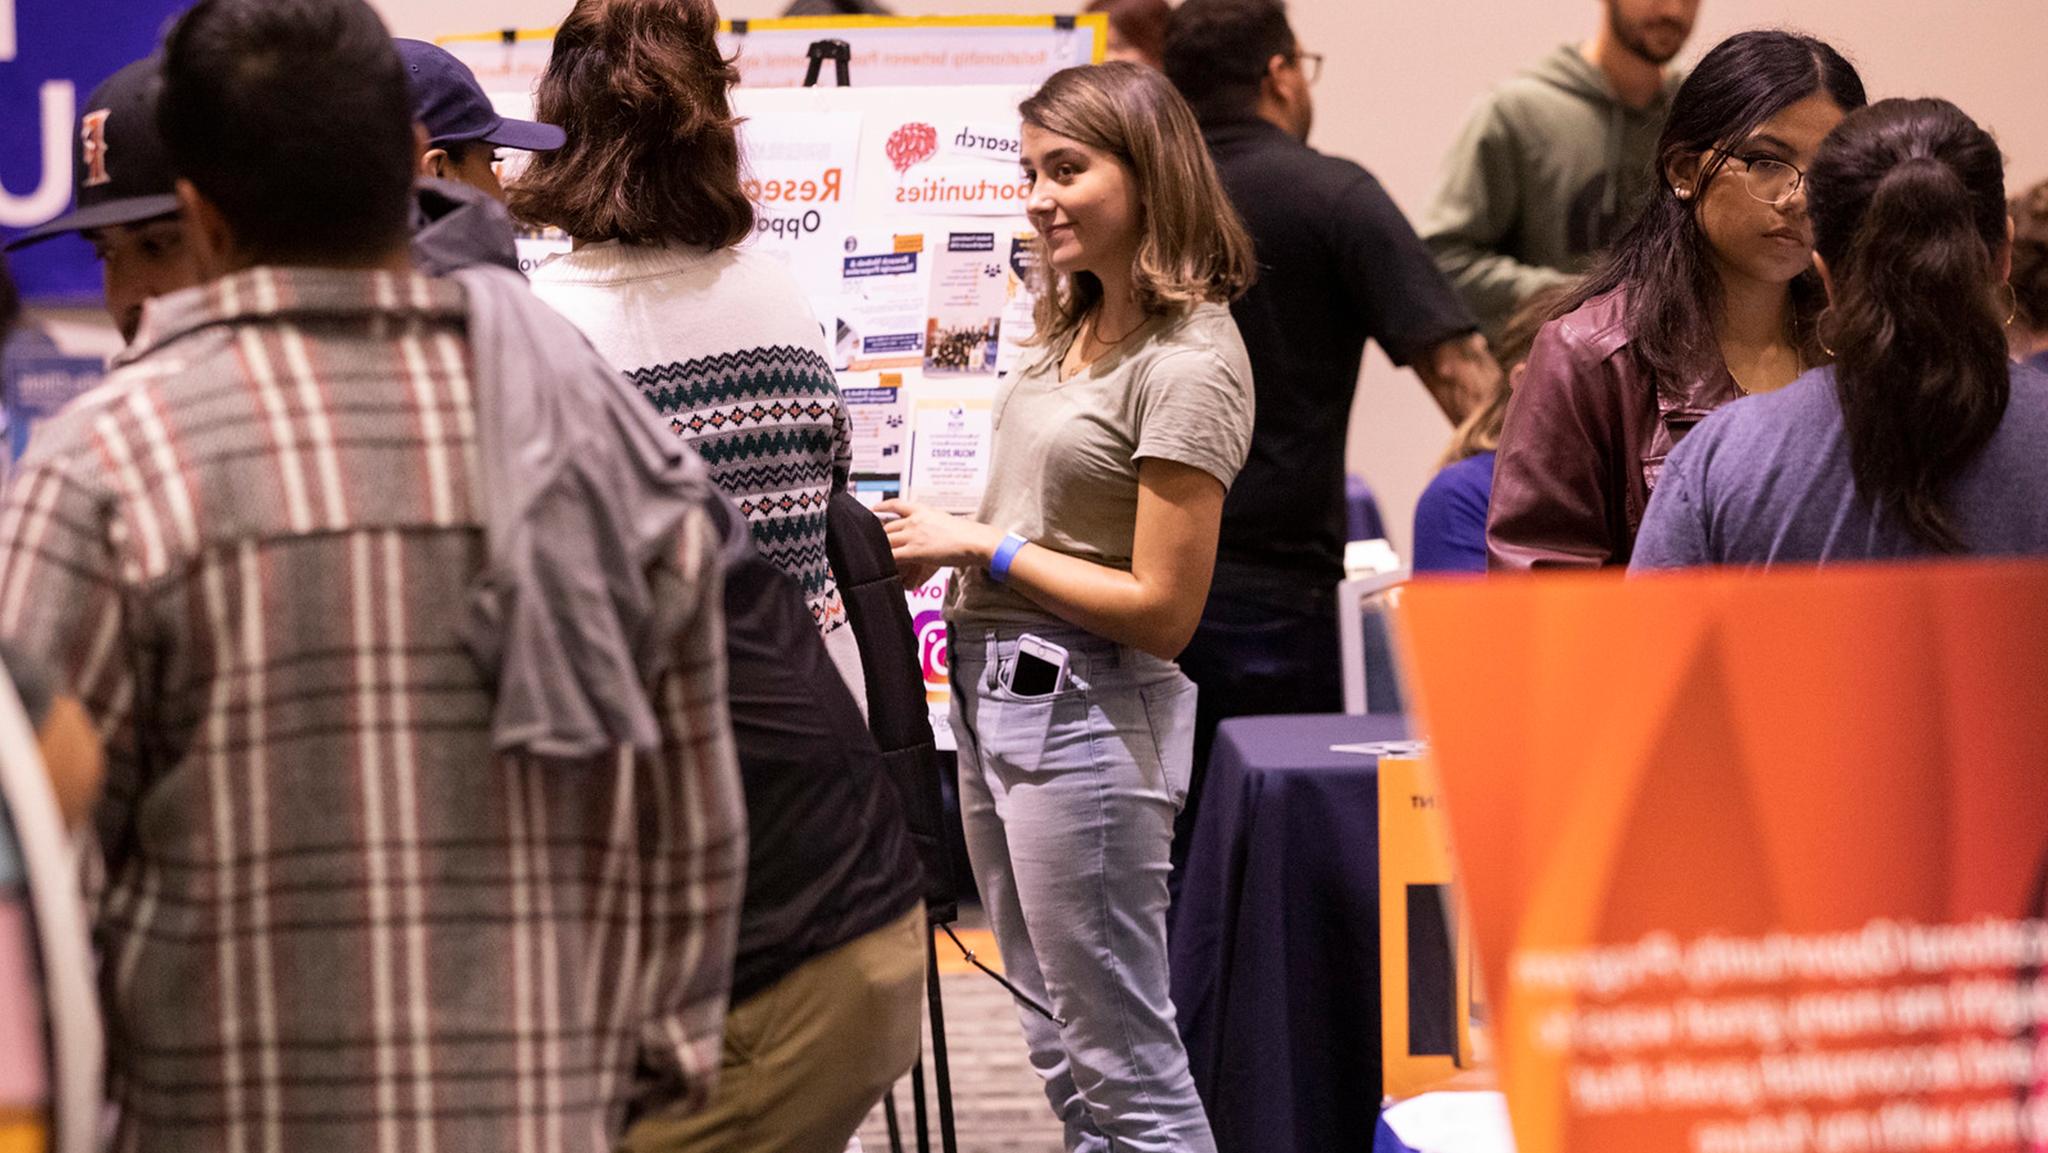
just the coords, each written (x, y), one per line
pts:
(1064, 467)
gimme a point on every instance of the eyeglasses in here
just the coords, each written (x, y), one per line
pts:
(1310, 63)
(1767, 178)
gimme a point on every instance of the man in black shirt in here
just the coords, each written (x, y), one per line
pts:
(1338, 265)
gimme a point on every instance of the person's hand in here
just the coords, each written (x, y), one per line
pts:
(1461, 374)
(924, 540)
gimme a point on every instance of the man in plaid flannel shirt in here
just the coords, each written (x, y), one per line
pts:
(329, 915)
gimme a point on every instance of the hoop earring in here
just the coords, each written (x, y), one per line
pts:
(2012, 297)
(1820, 322)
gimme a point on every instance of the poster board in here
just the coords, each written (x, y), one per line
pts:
(1756, 863)
(898, 206)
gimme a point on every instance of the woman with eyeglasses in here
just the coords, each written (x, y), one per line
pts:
(1923, 438)
(1710, 295)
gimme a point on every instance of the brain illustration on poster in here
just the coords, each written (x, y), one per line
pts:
(910, 145)
(956, 166)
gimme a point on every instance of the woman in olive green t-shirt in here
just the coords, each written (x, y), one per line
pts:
(1083, 576)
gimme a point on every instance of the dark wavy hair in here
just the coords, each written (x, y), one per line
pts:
(1908, 206)
(653, 154)
(1663, 259)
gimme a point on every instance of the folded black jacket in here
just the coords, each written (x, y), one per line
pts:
(828, 857)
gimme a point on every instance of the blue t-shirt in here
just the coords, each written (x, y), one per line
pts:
(1450, 519)
(1766, 480)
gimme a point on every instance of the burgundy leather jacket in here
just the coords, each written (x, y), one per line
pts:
(1586, 435)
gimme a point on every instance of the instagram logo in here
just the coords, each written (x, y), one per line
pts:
(931, 646)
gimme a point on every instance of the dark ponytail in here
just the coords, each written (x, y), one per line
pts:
(1908, 206)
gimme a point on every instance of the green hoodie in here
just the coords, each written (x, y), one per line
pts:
(1550, 169)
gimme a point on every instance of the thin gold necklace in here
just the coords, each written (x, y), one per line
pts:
(1799, 369)
(1102, 347)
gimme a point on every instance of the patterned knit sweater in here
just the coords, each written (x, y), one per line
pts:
(724, 344)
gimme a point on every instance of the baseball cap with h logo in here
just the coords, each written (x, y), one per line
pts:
(120, 171)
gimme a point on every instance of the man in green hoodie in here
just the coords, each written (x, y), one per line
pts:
(1554, 163)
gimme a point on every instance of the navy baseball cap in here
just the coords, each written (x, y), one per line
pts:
(448, 100)
(121, 173)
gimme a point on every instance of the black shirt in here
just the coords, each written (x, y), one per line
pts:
(1338, 264)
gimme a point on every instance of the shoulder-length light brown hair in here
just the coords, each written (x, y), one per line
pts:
(1193, 247)
(653, 153)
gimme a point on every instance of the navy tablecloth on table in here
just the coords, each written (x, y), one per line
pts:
(1275, 946)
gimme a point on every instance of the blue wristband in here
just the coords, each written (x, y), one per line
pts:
(999, 564)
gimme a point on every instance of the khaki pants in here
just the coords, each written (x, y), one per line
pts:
(807, 1057)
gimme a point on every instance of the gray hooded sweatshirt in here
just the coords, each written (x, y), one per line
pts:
(1550, 169)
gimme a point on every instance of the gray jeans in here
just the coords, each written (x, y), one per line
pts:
(1068, 802)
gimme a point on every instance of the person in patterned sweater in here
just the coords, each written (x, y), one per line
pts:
(827, 983)
(719, 338)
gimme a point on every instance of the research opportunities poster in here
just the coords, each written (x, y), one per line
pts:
(898, 204)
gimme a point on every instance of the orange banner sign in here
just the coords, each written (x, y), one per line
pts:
(1756, 863)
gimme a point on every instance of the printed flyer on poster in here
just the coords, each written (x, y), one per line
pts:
(884, 282)
(1019, 323)
(970, 290)
(1737, 887)
(951, 429)
(875, 409)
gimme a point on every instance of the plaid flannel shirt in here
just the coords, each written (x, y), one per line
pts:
(330, 917)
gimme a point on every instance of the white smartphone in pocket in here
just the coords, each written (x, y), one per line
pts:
(1040, 669)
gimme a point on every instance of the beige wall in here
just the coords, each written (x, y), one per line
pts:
(1401, 76)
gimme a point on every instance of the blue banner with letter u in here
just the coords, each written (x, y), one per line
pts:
(53, 53)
